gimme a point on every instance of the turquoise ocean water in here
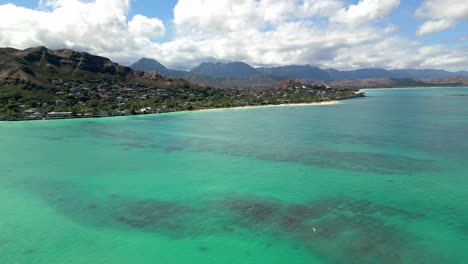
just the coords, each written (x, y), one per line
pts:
(382, 179)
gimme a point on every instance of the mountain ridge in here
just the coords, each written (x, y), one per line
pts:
(297, 72)
(225, 69)
(240, 74)
(145, 64)
(40, 65)
(405, 82)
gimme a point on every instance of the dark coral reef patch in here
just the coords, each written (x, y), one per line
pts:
(340, 229)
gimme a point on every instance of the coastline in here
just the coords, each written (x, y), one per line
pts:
(256, 106)
(416, 87)
(190, 111)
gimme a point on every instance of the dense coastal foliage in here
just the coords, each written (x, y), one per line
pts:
(24, 100)
(39, 83)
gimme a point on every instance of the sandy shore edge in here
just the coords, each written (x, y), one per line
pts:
(416, 87)
(195, 111)
(258, 106)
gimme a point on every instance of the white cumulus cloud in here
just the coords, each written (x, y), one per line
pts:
(224, 16)
(434, 26)
(146, 27)
(326, 33)
(441, 15)
(365, 11)
(97, 26)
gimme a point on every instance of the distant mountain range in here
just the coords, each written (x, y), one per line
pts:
(394, 82)
(240, 74)
(225, 70)
(221, 75)
(305, 72)
(153, 65)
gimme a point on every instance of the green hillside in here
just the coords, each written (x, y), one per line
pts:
(39, 83)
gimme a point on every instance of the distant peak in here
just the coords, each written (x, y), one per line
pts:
(38, 48)
(147, 60)
(225, 63)
(238, 63)
(225, 69)
(147, 64)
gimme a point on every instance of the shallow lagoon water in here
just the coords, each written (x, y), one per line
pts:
(381, 179)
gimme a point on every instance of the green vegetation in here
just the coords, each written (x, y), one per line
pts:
(39, 83)
(22, 100)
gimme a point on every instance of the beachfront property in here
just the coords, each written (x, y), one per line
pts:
(35, 116)
(83, 115)
(103, 114)
(120, 113)
(55, 115)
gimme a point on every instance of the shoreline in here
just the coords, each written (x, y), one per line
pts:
(256, 106)
(416, 87)
(189, 111)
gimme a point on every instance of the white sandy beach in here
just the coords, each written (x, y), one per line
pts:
(205, 110)
(416, 87)
(261, 106)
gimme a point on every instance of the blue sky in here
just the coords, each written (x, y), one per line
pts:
(342, 34)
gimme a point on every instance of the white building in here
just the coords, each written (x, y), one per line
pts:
(59, 114)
